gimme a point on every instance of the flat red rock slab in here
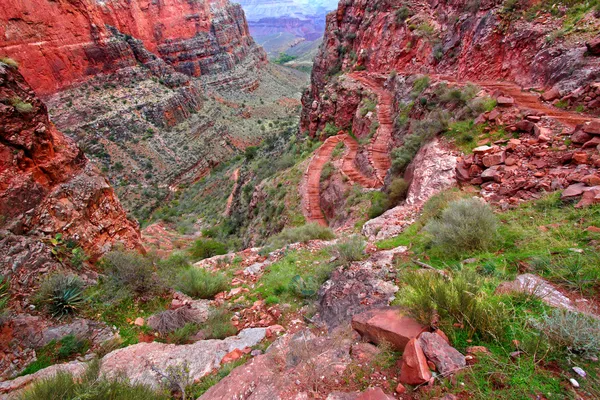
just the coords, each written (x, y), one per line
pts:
(387, 325)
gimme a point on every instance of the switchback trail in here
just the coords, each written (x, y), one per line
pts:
(380, 146)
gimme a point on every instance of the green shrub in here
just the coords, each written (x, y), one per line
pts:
(218, 325)
(20, 105)
(132, 272)
(463, 298)
(327, 171)
(91, 386)
(379, 204)
(350, 250)
(465, 226)
(419, 85)
(330, 130)
(55, 352)
(578, 333)
(200, 283)
(397, 192)
(9, 61)
(433, 208)
(402, 14)
(60, 295)
(183, 334)
(4, 295)
(302, 234)
(369, 106)
(207, 248)
(422, 132)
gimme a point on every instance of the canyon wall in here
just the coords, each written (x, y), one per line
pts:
(47, 185)
(59, 43)
(454, 39)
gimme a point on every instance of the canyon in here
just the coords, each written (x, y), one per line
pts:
(420, 222)
(294, 27)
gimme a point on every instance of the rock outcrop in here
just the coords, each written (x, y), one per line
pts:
(47, 185)
(62, 43)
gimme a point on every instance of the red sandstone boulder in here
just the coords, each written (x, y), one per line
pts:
(593, 46)
(592, 127)
(580, 137)
(573, 191)
(374, 394)
(525, 126)
(446, 358)
(414, 370)
(590, 197)
(505, 101)
(594, 142)
(551, 95)
(387, 324)
(493, 159)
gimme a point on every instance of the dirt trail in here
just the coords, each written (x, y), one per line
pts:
(311, 190)
(379, 148)
(235, 177)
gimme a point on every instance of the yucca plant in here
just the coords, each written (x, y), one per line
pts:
(61, 295)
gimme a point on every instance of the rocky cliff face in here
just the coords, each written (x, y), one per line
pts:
(458, 39)
(47, 185)
(61, 43)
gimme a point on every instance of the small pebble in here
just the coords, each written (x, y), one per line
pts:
(580, 372)
(574, 383)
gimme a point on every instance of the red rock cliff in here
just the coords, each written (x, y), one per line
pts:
(47, 185)
(459, 39)
(62, 42)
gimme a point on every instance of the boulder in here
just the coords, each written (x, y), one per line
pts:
(374, 394)
(550, 95)
(490, 160)
(525, 126)
(505, 101)
(491, 174)
(136, 362)
(446, 358)
(592, 143)
(580, 137)
(536, 286)
(593, 46)
(592, 127)
(590, 197)
(414, 369)
(573, 191)
(387, 324)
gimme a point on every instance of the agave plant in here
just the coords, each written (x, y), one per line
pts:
(61, 295)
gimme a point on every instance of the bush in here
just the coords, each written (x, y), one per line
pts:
(4, 295)
(200, 283)
(9, 61)
(56, 352)
(433, 208)
(91, 386)
(578, 333)
(465, 226)
(207, 248)
(331, 130)
(422, 132)
(60, 295)
(131, 271)
(218, 325)
(183, 334)
(20, 105)
(350, 250)
(398, 190)
(379, 204)
(462, 298)
(170, 320)
(302, 234)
